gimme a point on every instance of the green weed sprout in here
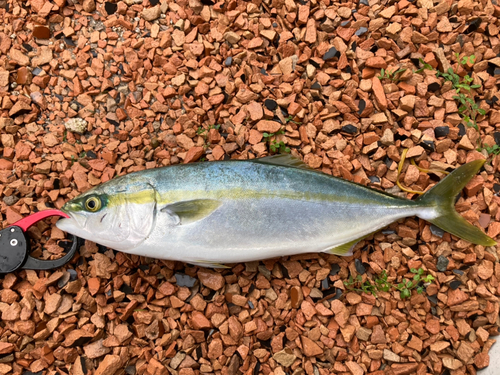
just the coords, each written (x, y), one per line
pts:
(382, 285)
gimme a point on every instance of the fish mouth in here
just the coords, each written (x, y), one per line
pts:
(74, 221)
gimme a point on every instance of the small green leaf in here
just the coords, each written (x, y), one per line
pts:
(481, 111)
(409, 284)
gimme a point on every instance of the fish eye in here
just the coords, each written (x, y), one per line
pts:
(93, 204)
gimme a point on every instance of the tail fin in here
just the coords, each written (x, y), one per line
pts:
(442, 197)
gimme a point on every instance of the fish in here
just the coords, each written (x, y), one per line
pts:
(211, 214)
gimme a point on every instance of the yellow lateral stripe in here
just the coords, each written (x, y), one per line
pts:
(173, 196)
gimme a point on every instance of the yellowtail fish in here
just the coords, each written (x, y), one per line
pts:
(215, 213)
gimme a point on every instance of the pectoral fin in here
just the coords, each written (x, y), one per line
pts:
(190, 211)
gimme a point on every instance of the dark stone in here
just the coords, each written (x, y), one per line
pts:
(496, 188)
(345, 23)
(72, 274)
(359, 266)
(275, 24)
(110, 8)
(442, 263)
(348, 69)
(331, 53)
(277, 119)
(434, 86)
(461, 130)
(455, 284)
(433, 299)
(36, 71)
(354, 45)
(388, 231)
(184, 280)
(494, 99)
(27, 47)
(458, 272)
(335, 269)
(325, 283)
(250, 304)
(374, 179)
(91, 154)
(351, 129)
(263, 72)
(361, 31)
(316, 86)
(364, 2)
(496, 137)
(437, 231)
(441, 131)
(126, 289)
(428, 145)
(229, 61)
(473, 26)
(270, 104)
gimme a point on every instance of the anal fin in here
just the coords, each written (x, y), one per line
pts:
(208, 264)
(346, 249)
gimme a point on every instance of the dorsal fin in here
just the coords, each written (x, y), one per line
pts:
(284, 160)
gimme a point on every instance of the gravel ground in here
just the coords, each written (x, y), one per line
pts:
(90, 90)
